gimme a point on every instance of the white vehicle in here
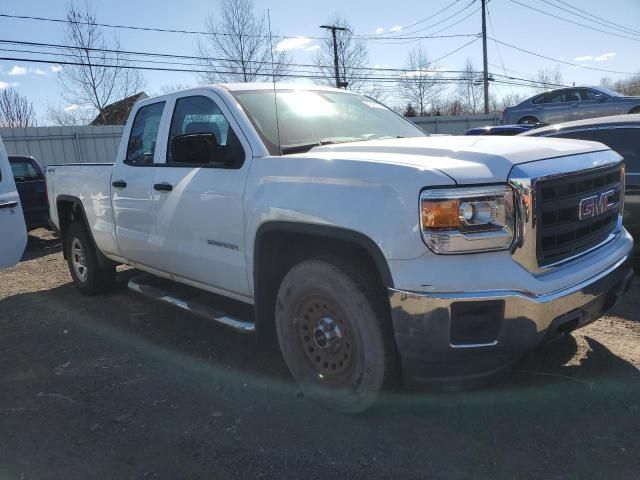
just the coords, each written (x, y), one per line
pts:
(13, 233)
(372, 248)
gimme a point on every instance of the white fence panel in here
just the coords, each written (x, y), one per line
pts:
(454, 125)
(59, 145)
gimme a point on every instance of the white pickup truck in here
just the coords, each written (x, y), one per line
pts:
(376, 252)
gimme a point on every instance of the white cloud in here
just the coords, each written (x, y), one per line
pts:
(294, 43)
(598, 58)
(422, 72)
(75, 106)
(313, 48)
(56, 68)
(379, 30)
(38, 71)
(17, 70)
(4, 85)
(604, 57)
(395, 28)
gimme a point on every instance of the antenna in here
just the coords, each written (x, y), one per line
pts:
(273, 78)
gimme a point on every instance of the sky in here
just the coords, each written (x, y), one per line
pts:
(510, 22)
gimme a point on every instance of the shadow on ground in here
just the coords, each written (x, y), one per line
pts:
(119, 386)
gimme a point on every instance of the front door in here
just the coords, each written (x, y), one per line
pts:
(131, 187)
(198, 200)
(13, 233)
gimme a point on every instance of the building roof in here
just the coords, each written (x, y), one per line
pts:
(116, 113)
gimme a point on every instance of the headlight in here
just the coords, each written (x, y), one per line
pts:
(461, 220)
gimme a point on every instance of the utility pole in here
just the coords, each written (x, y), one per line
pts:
(485, 75)
(333, 29)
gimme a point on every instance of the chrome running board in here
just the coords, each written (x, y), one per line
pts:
(137, 284)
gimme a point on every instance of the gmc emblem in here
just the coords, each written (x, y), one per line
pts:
(596, 205)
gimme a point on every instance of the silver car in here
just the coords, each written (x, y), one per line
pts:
(569, 104)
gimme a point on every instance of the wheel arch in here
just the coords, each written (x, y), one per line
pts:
(71, 209)
(281, 244)
(635, 109)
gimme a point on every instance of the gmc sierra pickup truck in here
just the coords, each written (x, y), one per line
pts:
(376, 252)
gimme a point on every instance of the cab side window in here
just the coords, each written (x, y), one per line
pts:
(201, 135)
(144, 134)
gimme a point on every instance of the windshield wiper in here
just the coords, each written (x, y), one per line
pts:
(309, 146)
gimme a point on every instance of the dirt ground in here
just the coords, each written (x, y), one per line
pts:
(118, 386)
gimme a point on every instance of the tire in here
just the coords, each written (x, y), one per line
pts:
(635, 110)
(88, 276)
(335, 335)
(528, 120)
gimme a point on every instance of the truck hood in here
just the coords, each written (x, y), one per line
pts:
(472, 159)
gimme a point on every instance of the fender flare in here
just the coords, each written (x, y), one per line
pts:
(326, 231)
(102, 260)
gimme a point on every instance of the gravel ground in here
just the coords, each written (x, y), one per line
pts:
(118, 386)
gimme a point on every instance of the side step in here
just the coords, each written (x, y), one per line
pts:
(142, 284)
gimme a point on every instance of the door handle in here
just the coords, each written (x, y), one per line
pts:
(13, 204)
(163, 187)
(119, 184)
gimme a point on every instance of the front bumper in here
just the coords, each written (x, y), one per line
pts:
(434, 345)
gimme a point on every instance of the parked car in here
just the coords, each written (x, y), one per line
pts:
(370, 247)
(32, 189)
(12, 228)
(620, 133)
(503, 129)
(569, 104)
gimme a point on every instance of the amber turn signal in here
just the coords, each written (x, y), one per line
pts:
(440, 213)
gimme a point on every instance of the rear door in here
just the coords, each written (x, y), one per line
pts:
(131, 186)
(31, 187)
(198, 202)
(558, 106)
(12, 229)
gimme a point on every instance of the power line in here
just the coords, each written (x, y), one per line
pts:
(590, 18)
(438, 23)
(419, 21)
(192, 57)
(596, 16)
(561, 61)
(575, 23)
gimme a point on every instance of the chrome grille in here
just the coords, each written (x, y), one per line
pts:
(561, 232)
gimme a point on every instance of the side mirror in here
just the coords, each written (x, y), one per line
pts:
(600, 97)
(196, 148)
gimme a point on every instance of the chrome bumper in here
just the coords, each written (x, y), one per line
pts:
(423, 323)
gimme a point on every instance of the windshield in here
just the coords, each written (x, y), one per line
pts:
(611, 93)
(308, 118)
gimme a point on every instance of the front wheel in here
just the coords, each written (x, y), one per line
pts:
(334, 334)
(88, 276)
(635, 110)
(528, 120)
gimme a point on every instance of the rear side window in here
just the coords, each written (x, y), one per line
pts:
(199, 115)
(144, 134)
(24, 170)
(625, 141)
(539, 99)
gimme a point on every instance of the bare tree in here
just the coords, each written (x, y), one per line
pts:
(625, 86)
(548, 79)
(353, 57)
(97, 77)
(15, 110)
(420, 83)
(469, 89)
(70, 115)
(238, 47)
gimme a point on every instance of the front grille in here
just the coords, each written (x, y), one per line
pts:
(560, 232)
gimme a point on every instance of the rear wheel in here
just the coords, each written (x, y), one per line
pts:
(528, 120)
(334, 335)
(88, 276)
